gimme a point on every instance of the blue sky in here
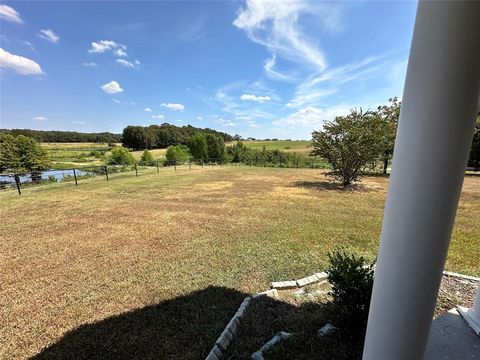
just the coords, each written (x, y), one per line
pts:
(262, 69)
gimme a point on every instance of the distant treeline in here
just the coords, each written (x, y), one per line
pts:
(160, 137)
(65, 136)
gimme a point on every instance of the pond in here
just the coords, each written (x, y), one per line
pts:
(59, 175)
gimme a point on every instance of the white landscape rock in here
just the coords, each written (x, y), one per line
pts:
(326, 330)
(284, 285)
(258, 355)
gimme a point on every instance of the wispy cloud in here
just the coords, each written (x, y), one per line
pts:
(116, 101)
(129, 64)
(20, 64)
(312, 117)
(39, 118)
(76, 122)
(225, 122)
(49, 35)
(158, 117)
(112, 87)
(90, 64)
(8, 13)
(274, 24)
(173, 106)
(108, 45)
(251, 97)
(272, 73)
(147, 109)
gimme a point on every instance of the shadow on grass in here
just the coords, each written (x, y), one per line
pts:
(182, 328)
(187, 327)
(267, 317)
(330, 185)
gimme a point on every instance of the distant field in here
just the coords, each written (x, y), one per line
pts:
(158, 154)
(300, 146)
(70, 155)
(138, 266)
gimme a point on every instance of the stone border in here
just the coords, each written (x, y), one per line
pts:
(226, 337)
(294, 284)
(461, 276)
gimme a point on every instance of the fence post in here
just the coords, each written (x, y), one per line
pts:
(106, 172)
(157, 168)
(17, 182)
(136, 170)
(175, 164)
(75, 177)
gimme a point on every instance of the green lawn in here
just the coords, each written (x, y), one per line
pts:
(138, 265)
(300, 146)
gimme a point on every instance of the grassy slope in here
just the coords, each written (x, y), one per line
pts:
(300, 146)
(71, 256)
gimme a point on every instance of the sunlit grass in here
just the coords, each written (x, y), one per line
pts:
(74, 255)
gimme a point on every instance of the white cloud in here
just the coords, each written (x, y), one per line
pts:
(90, 64)
(199, 117)
(116, 101)
(269, 67)
(126, 63)
(224, 122)
(112, 87)
(274, 24)
(158, 117)
(171, 106)
(10, 14)
(49, 35)
(251, 97)
(120, 52)
(312, 117)
(147, 109)
(20, 64)
(39, 118)
(78, 122)
(107, 45)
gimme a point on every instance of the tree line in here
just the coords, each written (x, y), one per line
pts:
(165, 135)
(64, 136)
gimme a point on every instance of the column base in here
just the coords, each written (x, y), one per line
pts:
(472, 317)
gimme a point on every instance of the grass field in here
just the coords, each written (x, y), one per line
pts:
(299, 146)
(137, 267)
(70, 155)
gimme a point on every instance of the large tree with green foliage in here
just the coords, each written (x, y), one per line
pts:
(176, 153)
(31, 156)
(215, 147)
(8, 152)
(198, 146)
(121, 156)
(390, 114)
(349, 144)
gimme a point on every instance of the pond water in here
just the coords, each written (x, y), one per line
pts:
(58, 174)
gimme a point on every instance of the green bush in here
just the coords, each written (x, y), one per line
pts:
(120, 156)
(352, 281)
(177, 153)
(146, 158)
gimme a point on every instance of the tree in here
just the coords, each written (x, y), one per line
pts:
(474, 157)
(389, 114)
(215, 147)
(198, 146)
(121, 156)
(147, 157)
(176, 153)
(31, 156)
(349, 143)
(8, 152)
(134, 137)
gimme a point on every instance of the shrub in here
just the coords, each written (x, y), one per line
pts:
(147, 157)
(52, 178)
(177, 153)
(120, 156)
(352, 281)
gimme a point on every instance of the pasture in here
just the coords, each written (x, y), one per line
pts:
(155, 265)
(299, 146)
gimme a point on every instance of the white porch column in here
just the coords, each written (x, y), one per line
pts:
(440, 100)
(472, 315)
